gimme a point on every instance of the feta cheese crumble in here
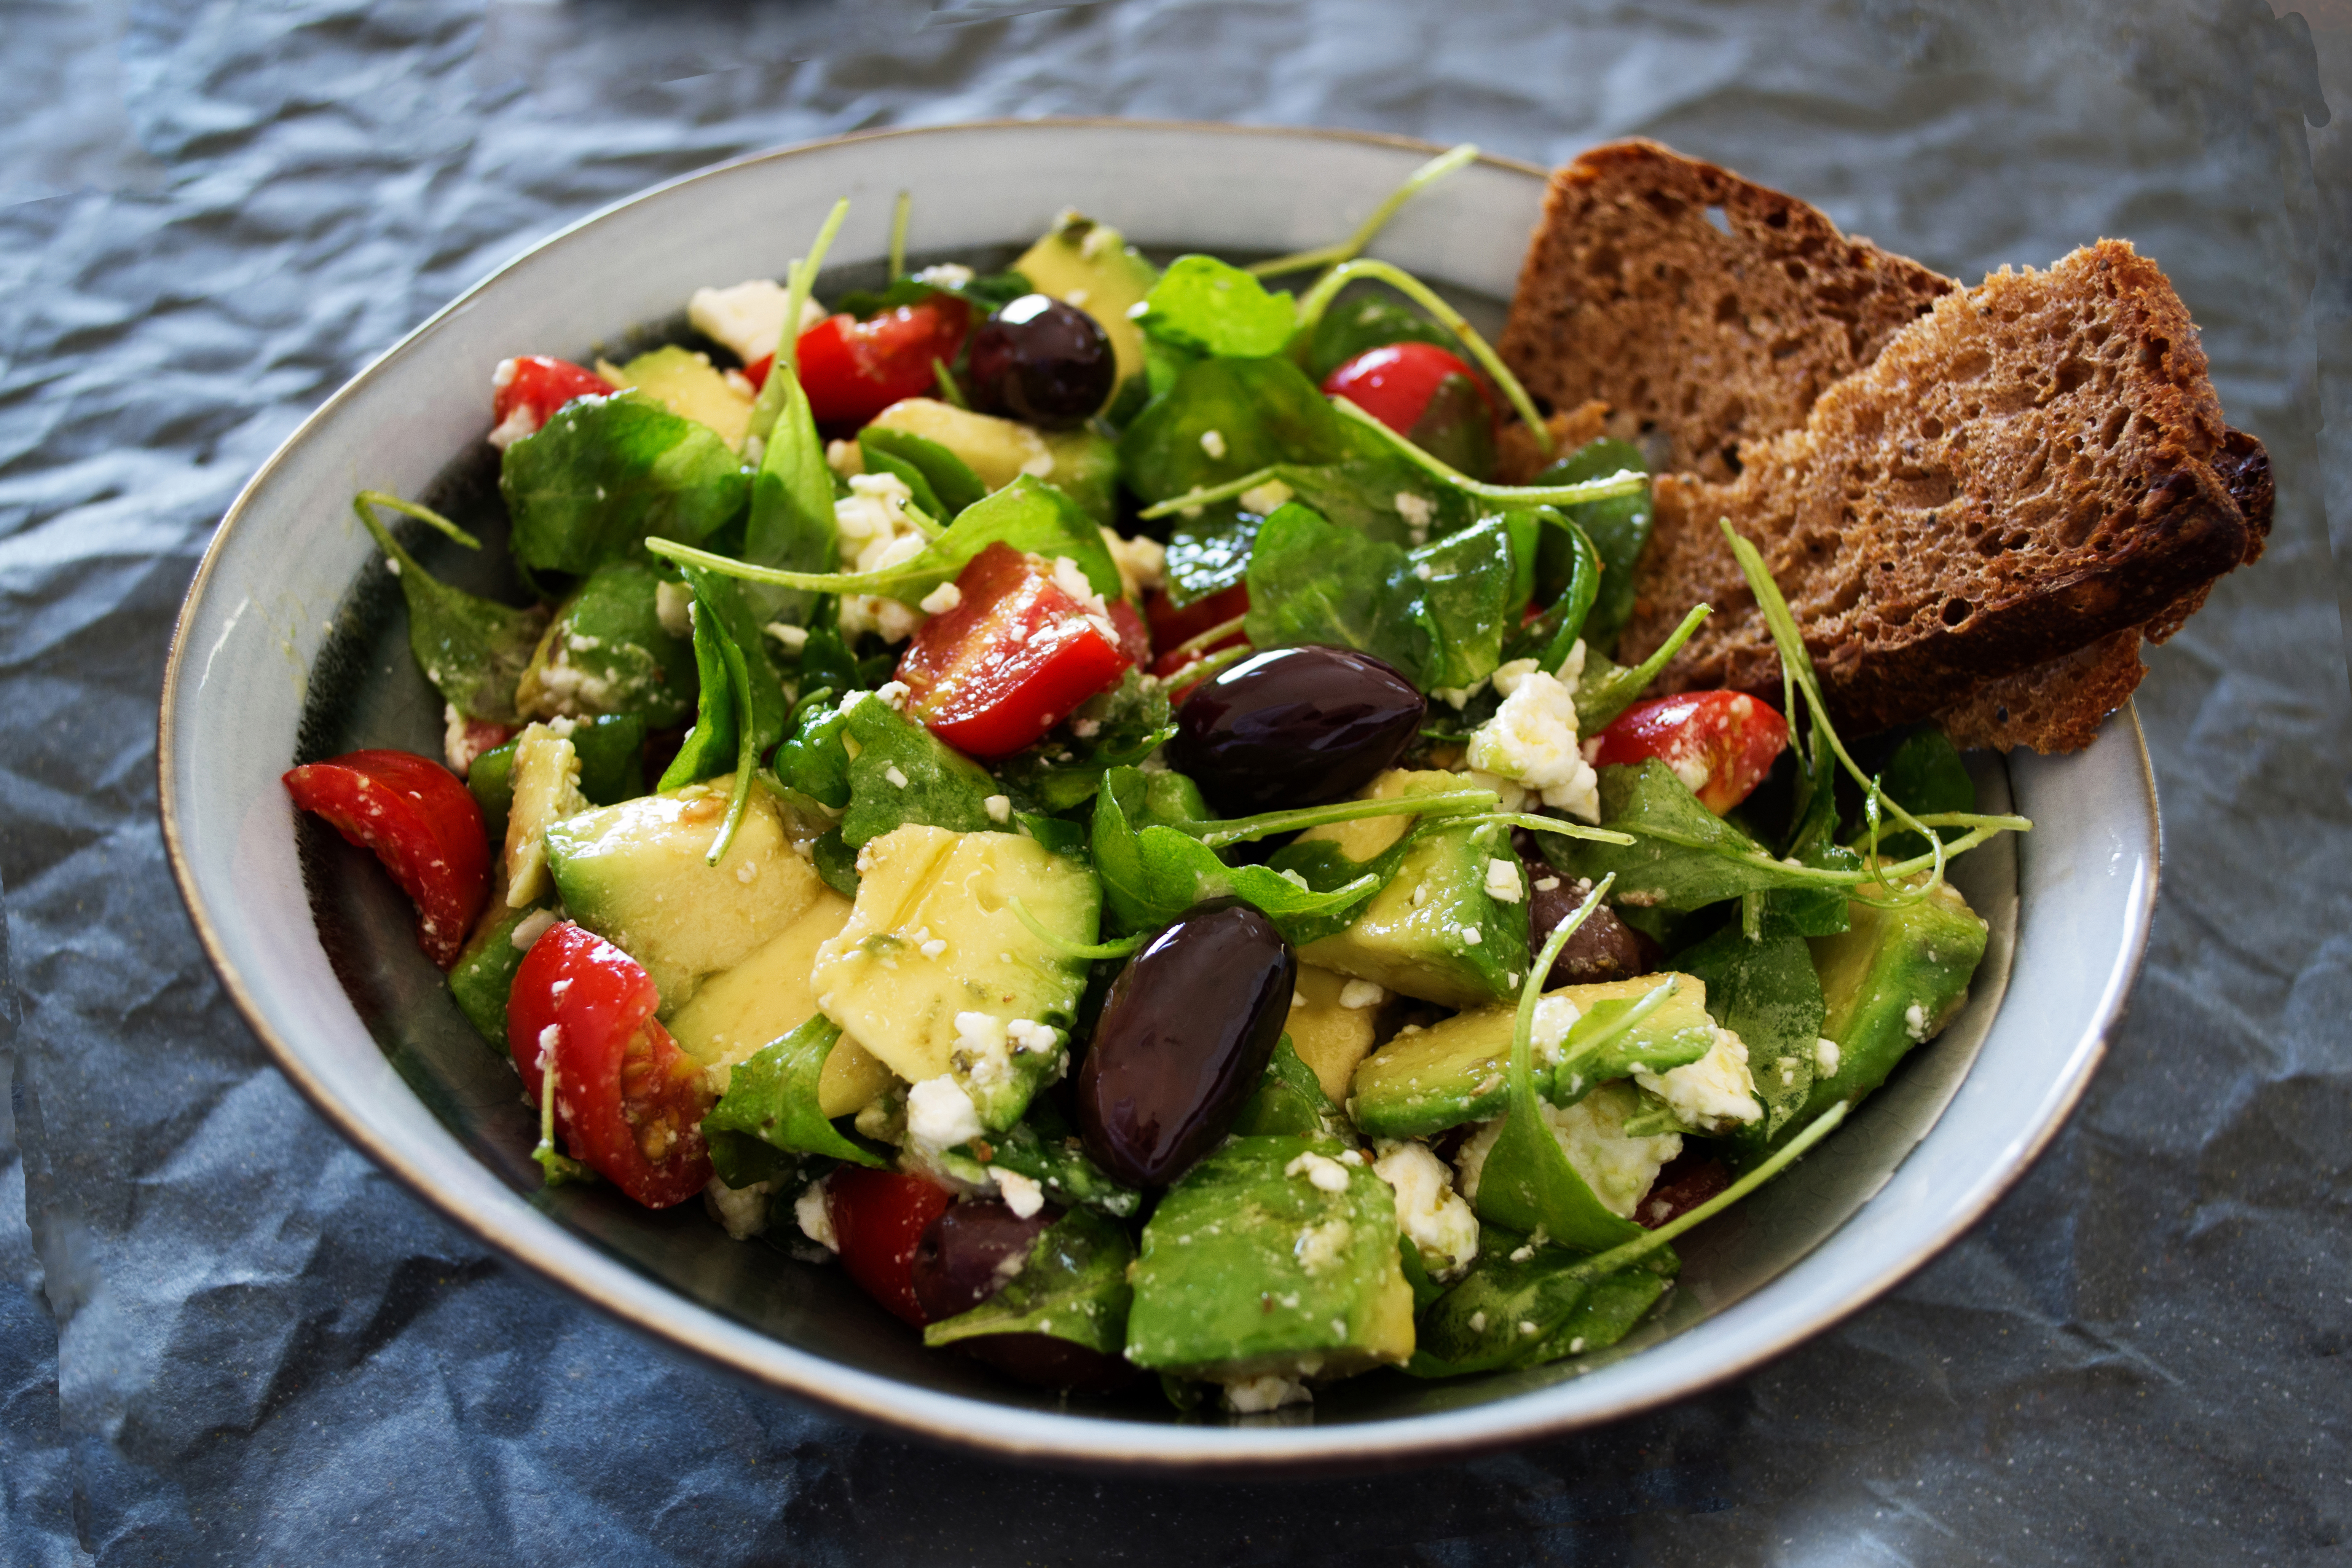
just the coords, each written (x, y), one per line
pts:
(1712, 1092)
(1358, 995)
(1142, 563)
(1267, 498)
(1619, 1168)
(1324, 1172)
(875, 532)
(1825, 1057)
(1531, 740)
(940, 1114)
(749, 318)
(1214, 443)
(999, 807)
(1428, 1209)
(1504, 883)
(672, 601)
(942, 599)
(741, 1211)
(1022, 1195)
(1258, 1395)
(815, 1218)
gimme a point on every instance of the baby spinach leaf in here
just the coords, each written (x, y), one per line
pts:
(710, 747)
(792, 524)
(1211, 308)
(1209, 554)
(605, 473)
(1072, 1287)
(1765, 992)
(1364, 320)
(1289, 1101)
(772, 1098)
(1924, 771)
(1065, 769)
(607, 651)
(1222, 418)
(813, 760)
(1523, 1305)
(948, 475)
(1683, 857)
(473, 650)
(1618, 529)
(836, 863)
(1045, 1147)
(902, 773)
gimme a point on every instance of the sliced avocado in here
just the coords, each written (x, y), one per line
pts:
(1328, 1035)
(1090, 264)
(1261, 1260)
(1429, 1079)
(1892, 980)
(636, 875)
(546, 778)
(687, 384)
(485, 972)
(1434, 931)
(933, 935)
(607, 651)
(611, 748)
(1080, 464)
(735, 1015)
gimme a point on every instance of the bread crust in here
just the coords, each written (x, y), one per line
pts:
(2024, 471)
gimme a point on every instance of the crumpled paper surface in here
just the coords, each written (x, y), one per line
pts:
(224, 1335)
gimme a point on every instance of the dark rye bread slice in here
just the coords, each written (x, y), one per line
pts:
(1703, 336)
(2037, 464)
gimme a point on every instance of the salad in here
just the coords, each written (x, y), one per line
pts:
(1071, 791)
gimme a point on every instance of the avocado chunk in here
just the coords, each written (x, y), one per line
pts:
(611, 748)
(1328, 1034)
(1441, 930)
(732, 1016)
(546, 790)
(607, 651)
(1091, 265)
(636, 875)
(1272, 1256)
(1426, 1080)
(1080, 464)
(685, 382)
(936, 975)
(1892, 980)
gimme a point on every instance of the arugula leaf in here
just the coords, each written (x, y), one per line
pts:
(604, 473)
(711, 746)
(1608, 689)
(1618, 528)
(473, 650)
(1211, 308)
(1684, 856)
(1072, 1287)
(1765, 991)
(771, 1098)
(1924, 771)
(902, 773)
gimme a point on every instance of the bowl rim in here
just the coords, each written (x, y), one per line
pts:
(1083, 1441)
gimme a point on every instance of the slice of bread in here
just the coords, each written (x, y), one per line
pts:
(2037, 464)
(1705, 308)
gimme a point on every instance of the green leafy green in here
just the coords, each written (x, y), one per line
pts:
(754, 709)
(1602, 1047)
(1045, 1147)
(1072, 1287)
(1362, 322)
(1608, 689)
(1065, 768)
(1924, 771)
(1618, 529)
(1523, 1305)
(607, 651)
(902, 773)
(711, 746)
(771, 1098)
(604, 473)
(1289, 1101)
(1765, 989)
(1684, 856)
(1222, 419)
(792, 524)
(948, 479)
(1209, 307)
(473, 650)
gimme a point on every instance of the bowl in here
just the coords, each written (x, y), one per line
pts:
(290, 641)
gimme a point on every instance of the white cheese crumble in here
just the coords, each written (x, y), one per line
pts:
(529, 929)
(875, 532)
(844, 457)
(1214, 443)
(1825, 1057)
(1022, 1195)
(1712, 1092)
(896, 775)
(1324, 1172)
(673, 602)
(1618, 1169)
(1028, 1035)
(933, 948)
(1142, 563)
(742, 1211)
(892, 694)
(792, 637)
(1505, 884)
(999, 807)
(1418, 512)
(748, 317)
(1471, 935)
(815, 1216)
(940, 1114)
(942, 599)
(945, 274)
(1258, 1395)
(1531, 739)
(1266, 497)
(1914, 1021)
(1555, 1017)
(1428, 1209)
(1358, 995)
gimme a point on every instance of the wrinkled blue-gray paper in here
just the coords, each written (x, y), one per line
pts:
(226, 1336)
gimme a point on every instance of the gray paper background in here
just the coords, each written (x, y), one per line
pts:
(224, 1336)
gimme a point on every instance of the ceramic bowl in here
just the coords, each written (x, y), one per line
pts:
(290, 640)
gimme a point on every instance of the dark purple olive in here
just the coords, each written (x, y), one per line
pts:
(1293, 726)
(968, 1254)
(1603, 948)
(1184, 1039)
(1041, 362)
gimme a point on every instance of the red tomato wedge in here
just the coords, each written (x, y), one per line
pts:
(853, 370)
(1014, 657)
(1395, 383)
(628, 1102)
(1171, 627)
(1720, 743)
(526, 391)
(878, 1219)
(420, 822)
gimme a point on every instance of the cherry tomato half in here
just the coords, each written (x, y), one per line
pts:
(1395, 383)
(525, 392)
(628, 1102)
(1720, 744)
(878, 1217)
(1171, 627)
(1014, 658)
(853, 370)
(420, 822)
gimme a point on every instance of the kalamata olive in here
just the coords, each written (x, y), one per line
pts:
(1041, 362)
(1603, 948)
(1184, 1039)
(968, 1254)
(1293, 726)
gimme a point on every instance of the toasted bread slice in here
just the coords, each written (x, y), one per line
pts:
(2037, 464)
(1706, 309)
